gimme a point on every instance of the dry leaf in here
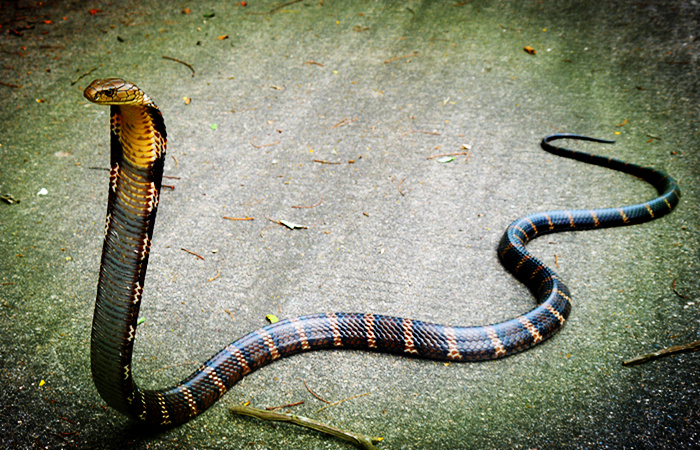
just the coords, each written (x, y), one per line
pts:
(292, 225)
(530, 50)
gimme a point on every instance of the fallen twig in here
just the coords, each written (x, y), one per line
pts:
(314, 63)
(396, 58)
(240, 218)
(341, 401)
(357, 439)
(18, 86)
(231, 314)
(288, 405)
(304, 206)
(673, 286)
(344, 122)
(434, 133)
(192, 253)
(685, 348)
(320, 161)
(448, 154)
(399, 186)
(252, 203)
(83, 76)
(218, 274)
(314, 394)
(264, 145)
(189, 66)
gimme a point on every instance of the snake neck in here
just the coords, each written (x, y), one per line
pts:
(138, 150)
(141, 134)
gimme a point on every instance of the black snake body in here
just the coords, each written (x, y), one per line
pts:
(138, 145)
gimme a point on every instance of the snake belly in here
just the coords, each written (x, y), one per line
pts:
(138, 147)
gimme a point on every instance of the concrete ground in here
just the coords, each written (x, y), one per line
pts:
(376, 88)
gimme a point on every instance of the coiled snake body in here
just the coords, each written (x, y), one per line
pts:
(138, 144)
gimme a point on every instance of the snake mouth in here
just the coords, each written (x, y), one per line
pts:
(91, 94)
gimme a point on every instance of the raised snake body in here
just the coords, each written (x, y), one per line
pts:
(138, 145)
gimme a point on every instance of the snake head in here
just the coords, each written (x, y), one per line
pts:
(115, 91)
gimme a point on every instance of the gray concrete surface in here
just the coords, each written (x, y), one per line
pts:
(394, 232)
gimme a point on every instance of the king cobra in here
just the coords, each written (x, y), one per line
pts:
(138, 142)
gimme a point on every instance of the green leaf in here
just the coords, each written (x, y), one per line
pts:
(214, 126)
(141, 320)
(445, 159)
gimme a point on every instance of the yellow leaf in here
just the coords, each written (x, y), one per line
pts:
(41, 383)
(272, 318)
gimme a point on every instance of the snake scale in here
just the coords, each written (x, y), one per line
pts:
(138, 144)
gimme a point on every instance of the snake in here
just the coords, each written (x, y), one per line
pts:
(138, 149)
